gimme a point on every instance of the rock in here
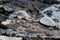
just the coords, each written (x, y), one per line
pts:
(10, 24)
(54, 15)
(6, 22)
(10, 38)
(8, 9)
(5, 10)
(3, 26)
(19, 15)
(47, 21)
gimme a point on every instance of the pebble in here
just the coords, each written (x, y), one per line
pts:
(47, 21)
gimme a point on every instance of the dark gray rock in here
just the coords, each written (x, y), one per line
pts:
(3, 26)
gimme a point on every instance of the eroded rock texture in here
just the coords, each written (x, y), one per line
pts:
(30, 19)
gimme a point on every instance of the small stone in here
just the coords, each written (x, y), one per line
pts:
(47, 21)
(6, 22)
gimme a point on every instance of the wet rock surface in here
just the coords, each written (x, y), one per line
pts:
(30, 18)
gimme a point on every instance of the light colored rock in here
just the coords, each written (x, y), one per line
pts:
(6, 22)
(47, 21)
(10, 38)
(23, 14)
(20, 14)
(55, 14)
